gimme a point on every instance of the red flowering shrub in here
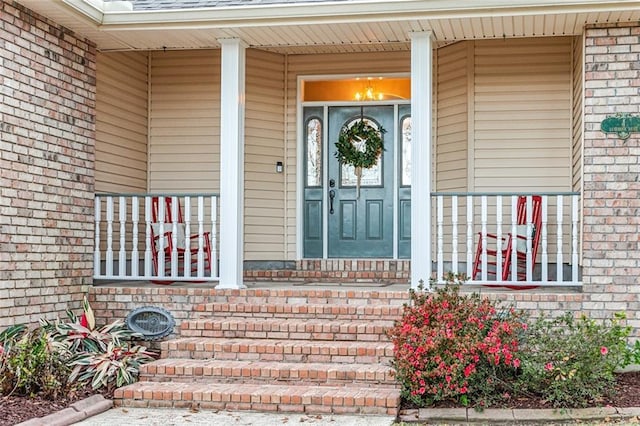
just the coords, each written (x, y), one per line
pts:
(449, 346)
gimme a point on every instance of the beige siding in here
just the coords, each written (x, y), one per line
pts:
(452, 116)
(578, 61)
(452, 105)
(184, 149)
(522, 115)
(300, 65)
(121, 122)
(264, 146)
(522, 119)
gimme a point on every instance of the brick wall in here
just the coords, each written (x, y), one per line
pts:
(47, 76)
(611, 175)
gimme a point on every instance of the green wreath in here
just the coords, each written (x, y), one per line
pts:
(360, 146)
(361, 132)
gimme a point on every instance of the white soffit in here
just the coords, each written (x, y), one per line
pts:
(351, 26)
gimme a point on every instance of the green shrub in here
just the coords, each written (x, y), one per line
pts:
(8, 339)
(570, 362)
(29, 364)
(449, 346)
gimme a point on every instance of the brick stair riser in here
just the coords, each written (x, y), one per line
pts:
(194, 372)
(302, 399)
(326, 312)
(286, 331)
(292, 381)
(281, 297)
(284, 356)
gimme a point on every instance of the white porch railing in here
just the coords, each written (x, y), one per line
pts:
(137, 237)
(462, 219)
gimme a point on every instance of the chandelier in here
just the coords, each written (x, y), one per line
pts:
(368, 93)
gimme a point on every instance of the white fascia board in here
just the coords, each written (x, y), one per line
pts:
(96, 9)
(331, 12)
(92, 9)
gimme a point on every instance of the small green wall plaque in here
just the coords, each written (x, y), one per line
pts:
(621, 124)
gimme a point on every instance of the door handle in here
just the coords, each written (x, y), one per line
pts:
(332, 195)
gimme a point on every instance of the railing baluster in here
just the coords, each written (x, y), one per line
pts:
(440, 239)
(454, 234)
(186, 260)
(97, 258)
(174, 236)
(109, 266)
(499, 247)
(529, 256)
(574, 238)
(545, 254)
(122, 253)
(514, 241)
(135, 257)
(559, 260)
(469, 236)
(200, 236)
(147, 238)
(214, 237)
(483, 222)
(161, 239)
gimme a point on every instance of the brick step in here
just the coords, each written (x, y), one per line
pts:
(311, 296)
(311, 399)
(295, 329)
(277, 350)
(338, 310)
(223, 371)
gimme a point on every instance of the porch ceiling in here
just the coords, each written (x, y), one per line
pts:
(324, 27)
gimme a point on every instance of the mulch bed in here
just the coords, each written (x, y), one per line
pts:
(16, 409)
(627, 395)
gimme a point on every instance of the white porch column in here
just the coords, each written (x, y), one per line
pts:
(421, 125)
(232, 104)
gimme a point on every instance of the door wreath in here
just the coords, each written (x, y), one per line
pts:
(359, 146)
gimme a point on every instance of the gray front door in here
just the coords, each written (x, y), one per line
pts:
(361, 226)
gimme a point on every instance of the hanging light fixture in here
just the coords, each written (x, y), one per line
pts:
(368, 93)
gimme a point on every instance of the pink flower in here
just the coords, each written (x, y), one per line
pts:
(469, 369)
(548, 366)
(516, 363)
(604, 350)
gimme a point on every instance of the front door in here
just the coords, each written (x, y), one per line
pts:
(360, 222)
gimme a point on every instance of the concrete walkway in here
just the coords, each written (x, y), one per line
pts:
(169, 417)
(96, 411)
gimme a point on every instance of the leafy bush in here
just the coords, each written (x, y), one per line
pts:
(570, 362)
(632, 354)
(8, 339)
(29, 365)
(103, 356)
(449, 346)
